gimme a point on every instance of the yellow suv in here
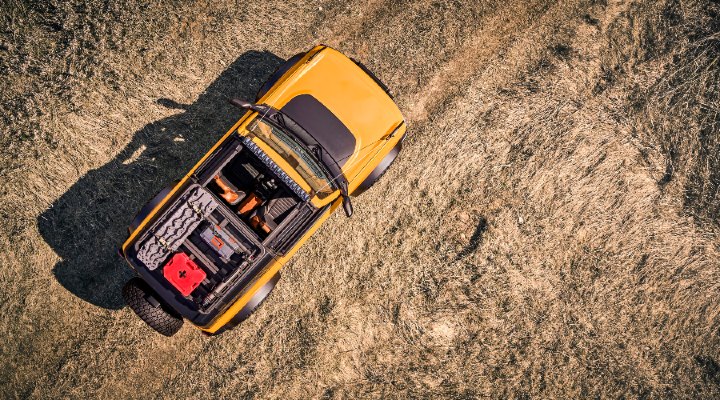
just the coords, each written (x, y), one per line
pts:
(209, 248)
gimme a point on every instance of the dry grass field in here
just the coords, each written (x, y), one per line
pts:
(550, 229)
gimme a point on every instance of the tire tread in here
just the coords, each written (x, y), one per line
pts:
(158, 318)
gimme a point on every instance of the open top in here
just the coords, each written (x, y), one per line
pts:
(238, 213)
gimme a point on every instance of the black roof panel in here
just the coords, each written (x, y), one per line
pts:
(323, 125)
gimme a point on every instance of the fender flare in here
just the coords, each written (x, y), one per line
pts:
(149, 206)
(277, 74)
(257, 298)
(380, 170)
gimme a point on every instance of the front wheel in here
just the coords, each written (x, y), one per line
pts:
(277, 74)
(379, 171)
(139, 297)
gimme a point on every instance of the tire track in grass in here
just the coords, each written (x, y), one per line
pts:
(443, 79)
(439, 82)
(480, 50)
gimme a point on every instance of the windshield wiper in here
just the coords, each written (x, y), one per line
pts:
(315, 150)
(337, 182)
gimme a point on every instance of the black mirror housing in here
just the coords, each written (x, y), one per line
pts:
(246, 105)
(347, 206)
(241, 103)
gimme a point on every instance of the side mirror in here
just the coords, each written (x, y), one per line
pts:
(241, 103)
(246, 105)
(347, 206)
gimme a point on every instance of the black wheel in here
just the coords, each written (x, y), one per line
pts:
(379, 171)
(277, 74)
(139, 297)
(257, 299)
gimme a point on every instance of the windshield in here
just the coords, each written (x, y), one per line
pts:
(295, 154)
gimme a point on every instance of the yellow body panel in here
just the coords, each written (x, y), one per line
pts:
(356, 100)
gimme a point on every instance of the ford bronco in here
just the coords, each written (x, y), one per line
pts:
(209, 248)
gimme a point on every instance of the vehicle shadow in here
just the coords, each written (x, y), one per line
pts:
(86, 225)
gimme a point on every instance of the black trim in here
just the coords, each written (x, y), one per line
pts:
(149, 206)
(257, 298)
(277, 74)
(374, 77)
(379, 170)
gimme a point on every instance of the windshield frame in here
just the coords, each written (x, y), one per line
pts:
(304, 164)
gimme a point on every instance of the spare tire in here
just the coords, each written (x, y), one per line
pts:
(141, 299)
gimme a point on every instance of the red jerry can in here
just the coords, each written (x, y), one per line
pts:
(183, 273)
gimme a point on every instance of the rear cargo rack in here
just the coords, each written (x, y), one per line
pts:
(176, 227)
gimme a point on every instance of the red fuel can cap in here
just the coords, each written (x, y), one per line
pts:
(183, 273)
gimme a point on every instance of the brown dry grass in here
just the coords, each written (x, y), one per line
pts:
(550, 229)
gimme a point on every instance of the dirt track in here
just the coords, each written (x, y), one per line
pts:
(549, 230)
